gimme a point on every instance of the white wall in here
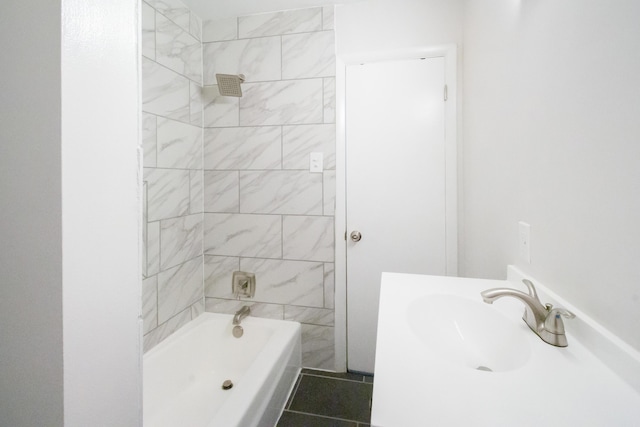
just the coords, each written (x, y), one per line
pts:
(552, 137)
(69, 308)
(101, 213)
(378, 25)
(30, 215)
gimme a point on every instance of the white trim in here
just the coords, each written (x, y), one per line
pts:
(449, 53)
(340, 305)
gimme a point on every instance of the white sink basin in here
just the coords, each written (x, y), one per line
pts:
(434, 333)
(468, 333)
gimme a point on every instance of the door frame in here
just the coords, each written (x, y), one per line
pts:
(449, 53)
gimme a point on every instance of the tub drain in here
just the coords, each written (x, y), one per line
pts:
(237, 331)
(227, 385)
(484, 368)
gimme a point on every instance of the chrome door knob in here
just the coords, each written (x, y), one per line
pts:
(355, 236)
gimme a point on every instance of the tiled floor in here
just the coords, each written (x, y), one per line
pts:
(327, 399)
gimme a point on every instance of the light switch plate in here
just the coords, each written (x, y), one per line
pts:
(316, 162)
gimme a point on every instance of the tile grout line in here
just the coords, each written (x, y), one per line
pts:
(325, 416)
(293, 392)
(362, 381)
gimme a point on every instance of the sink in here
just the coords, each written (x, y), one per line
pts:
(437, 341)
(469, 333)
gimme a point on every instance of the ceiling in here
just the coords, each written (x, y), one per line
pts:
(217, 9)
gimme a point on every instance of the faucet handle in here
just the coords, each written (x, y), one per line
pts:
(531, 288)
(562, 312)
(553, 323)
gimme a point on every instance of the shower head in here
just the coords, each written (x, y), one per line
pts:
(229, 84)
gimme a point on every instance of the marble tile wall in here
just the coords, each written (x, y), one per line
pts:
(172, 118)
(264, 212)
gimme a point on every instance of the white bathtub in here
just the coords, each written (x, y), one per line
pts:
(183, 375)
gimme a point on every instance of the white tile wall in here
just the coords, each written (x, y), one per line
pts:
(180, 240)
(298, 141)
(195, 27)
(329, 92)
(282, 102)
(329, 285)
(277, 281)
(257, 59)
(178, 288)
(309, 315)
(153, 248)
(219, 111)
(308, 55)
(219, 30)
(308, 238)
(175, 10)
(196, 191)
(327, 18)
(222, 191)
(149, 303)
(243, 148)
(287, 22)
(149, 133)
(329, 196)
(286, 282)
(266, 213)
(164, 92)
(167, 193)
(317, 346)
(148, 31)
(227, 185)
(281, 192)
(243, 235)
(218, 272)
(155, 336)
(172, 122)
(196, 100)
(225, 306)
(179, 145)
(177, 49)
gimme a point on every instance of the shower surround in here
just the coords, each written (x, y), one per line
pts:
(227, 179)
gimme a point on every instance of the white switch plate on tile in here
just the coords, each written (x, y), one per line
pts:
(524, 241)
(315, 162)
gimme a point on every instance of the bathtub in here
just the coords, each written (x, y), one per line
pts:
(183, 375)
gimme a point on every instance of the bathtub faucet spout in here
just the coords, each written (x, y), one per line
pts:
(241, 314)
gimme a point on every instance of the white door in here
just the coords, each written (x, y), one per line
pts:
(395, 186)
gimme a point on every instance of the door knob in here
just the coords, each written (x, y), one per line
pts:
(355, 236)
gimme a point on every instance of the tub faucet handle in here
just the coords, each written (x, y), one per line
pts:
(243, 284)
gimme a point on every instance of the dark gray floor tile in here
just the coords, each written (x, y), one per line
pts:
(293, 419)
(293, 392)
(330, 397)
(368, 379)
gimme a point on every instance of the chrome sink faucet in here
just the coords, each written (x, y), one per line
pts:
(241, 314)
(544, 320)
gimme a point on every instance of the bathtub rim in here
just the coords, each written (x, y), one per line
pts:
(267, 370)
